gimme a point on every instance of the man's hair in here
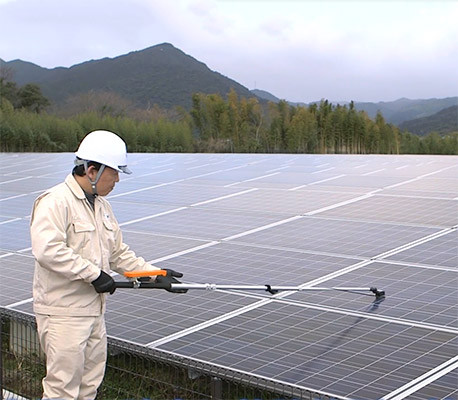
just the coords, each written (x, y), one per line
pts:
(79, 169)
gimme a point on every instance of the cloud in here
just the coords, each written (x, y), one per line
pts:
(276, 28)
(299, 50)
(54, 33)
(207, 17)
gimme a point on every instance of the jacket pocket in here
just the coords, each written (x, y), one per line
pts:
(82, 226)
(108, 225)
(80, 236)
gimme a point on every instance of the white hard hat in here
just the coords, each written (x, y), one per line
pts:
(106, 148)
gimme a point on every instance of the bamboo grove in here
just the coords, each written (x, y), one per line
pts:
(215, 124)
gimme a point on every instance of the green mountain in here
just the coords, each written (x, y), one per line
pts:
(442, 122)
(161, 74)
(166, 76)
(404, 109)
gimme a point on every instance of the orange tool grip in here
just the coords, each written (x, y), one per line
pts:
(140, 274)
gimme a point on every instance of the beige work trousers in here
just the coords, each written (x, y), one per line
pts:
(76, 353)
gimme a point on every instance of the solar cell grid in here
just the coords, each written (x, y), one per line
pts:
(445, 388)
(126, 212)
(258, 183)
(29, 184)
(441, 251)
(178, 195)
(152, 246)
(279, 179)
(401, 210)
(15, 235)
(334, 342)
(202, 223)
(429, 184)
(16, 274)
(339, 237)
(280, 202)
(36, 169)
(332, 351)
(174, 175)
(326, 187)
(144, 316)
(360, 181)
(448, 172)
(230, 264)
(415, 169)
(439, 194)
(21, 165)
(413, 293)
(16, 205)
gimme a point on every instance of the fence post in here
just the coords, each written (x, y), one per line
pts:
(216, 388)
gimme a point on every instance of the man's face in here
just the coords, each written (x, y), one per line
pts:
(106, 181)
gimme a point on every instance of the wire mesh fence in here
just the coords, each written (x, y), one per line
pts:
(133, 372)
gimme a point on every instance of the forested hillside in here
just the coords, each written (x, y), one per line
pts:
(165, 76)
(216, 124)
(402, 110)
(396, 112)
(443, 122)
(160, 99)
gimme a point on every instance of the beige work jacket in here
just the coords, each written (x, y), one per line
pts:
(72, 243)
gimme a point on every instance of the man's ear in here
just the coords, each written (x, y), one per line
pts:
(91, 172)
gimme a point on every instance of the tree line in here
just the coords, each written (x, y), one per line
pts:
(214, 124)
(244, 125)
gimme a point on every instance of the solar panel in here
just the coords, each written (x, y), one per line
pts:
(287, 202)
(361, 181)
(145, 316)
(152, 246)
(127, 212)
(351, 356)
(16, 278)
(177, 194)
(313, 220)
(428, 187)
(16, 204)
(339, 237)
(413, 293)
(442, 388)
(230, 263)
(198, 223)
(30, 183)
(15, 235)
(401, 210)
(441, 251)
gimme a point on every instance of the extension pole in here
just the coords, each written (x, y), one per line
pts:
(141, 280)
(267, 288)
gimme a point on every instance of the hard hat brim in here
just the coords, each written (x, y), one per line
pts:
(124, 169)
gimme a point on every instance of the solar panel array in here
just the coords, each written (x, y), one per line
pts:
(300, 220)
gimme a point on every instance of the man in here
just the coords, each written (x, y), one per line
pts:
(76, 241)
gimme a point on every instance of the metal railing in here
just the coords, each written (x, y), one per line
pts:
(133, 372)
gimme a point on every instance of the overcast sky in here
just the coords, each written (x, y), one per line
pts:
(299, 50)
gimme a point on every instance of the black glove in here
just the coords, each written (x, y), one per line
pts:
(169, 279)
(104, 283)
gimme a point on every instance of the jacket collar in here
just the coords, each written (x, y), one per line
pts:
(74, 186)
